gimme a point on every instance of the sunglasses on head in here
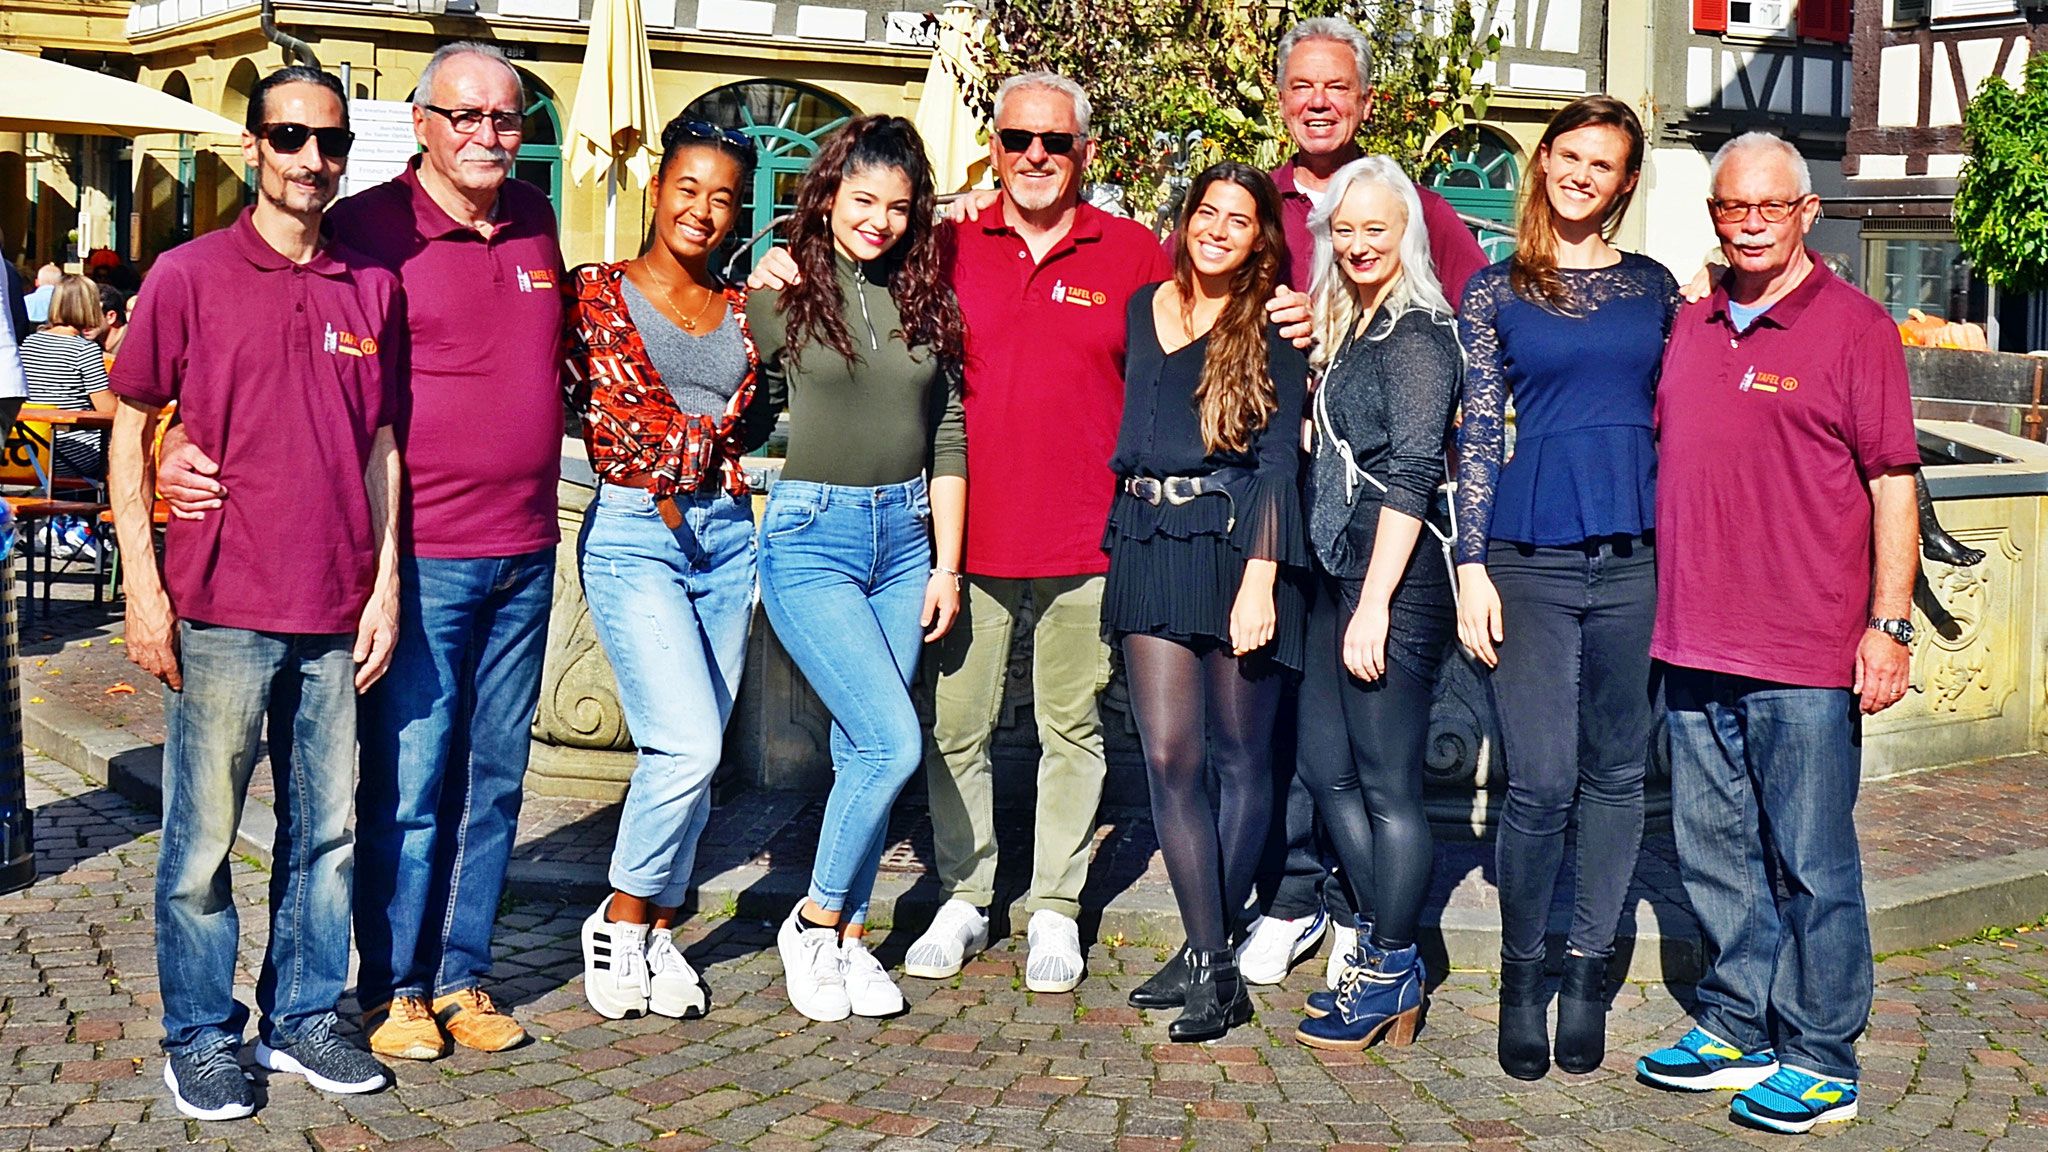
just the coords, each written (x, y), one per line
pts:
(737, 140)
(288, 139)
(1019, 140)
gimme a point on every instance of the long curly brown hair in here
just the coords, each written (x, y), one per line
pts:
(1533, 273)
(1236, 392)
(914, 267)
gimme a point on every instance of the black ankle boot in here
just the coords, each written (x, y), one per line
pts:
(1216, 998)
(1168, 987)
(1524, 1049)
(1582, 1014)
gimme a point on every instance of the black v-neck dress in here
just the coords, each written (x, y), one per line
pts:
(1174, 570)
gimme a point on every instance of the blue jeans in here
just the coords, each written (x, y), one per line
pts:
(445, 736)
(1763, 798)
(214, 730)
(672, 608)
(843, 574)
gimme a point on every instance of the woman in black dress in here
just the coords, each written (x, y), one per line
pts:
(1204, 531)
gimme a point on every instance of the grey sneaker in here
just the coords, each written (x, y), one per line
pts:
(327, 1061)
(209, 1085)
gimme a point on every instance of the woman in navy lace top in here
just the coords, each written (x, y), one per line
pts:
(1556, 565)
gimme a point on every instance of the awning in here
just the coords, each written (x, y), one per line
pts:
(38, 95)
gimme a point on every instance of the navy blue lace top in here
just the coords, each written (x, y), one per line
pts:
(1583, 386)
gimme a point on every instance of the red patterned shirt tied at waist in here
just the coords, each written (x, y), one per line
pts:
(631, 425)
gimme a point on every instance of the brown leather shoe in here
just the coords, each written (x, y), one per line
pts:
(404, 1029)
(475, 1022)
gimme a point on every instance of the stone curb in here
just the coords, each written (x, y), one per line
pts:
(1905, 913)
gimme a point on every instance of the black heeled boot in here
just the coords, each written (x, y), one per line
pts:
(1168, 987)
(1935, 542)
(1582, 1014)
(1216, 998)
(1524, 1049)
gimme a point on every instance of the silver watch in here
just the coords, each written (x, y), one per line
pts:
(1900, 630)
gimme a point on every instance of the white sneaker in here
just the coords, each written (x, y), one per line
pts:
(869, 991)
(1343, 942)
(1055, 961)
(958, 931)
(614, 965)
(673, 988)
(810, 969)
(1273, 945)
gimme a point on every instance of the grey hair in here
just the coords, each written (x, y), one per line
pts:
(1328, 28)
(1048, 82)
(423, 94)
(1761, 142)
(1334, 311)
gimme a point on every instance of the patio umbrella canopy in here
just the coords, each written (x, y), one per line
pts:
(614, 124)
(950, 129)
(38, 95)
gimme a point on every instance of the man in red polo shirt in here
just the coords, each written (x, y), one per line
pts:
(444, 736)
(283, 353)
(1783, 402)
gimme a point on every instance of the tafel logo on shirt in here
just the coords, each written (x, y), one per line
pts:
(1755, 381)
(536, 280)
(1062, 294)
(348, 343)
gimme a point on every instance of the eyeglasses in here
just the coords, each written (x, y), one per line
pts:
(468, 120)
(1736, 211)
(1056, 143)
(737, 140)
(288, 139)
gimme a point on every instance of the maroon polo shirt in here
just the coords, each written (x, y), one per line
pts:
(481, 425)
(1767, 441)
(1045, 386)
(283, 373)
(1451, 246)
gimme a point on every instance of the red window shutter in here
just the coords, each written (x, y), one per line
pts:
(1710, 15)
(1824, 19)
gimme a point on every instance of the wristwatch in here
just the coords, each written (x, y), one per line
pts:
(1900, 630)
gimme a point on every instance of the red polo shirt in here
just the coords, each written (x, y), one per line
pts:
(1451, 246)
(1766, 443)
(283, 373)
(481, 427)
(1045, 386)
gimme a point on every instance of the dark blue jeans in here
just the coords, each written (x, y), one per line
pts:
(1763, 798)
(445, 735)
(213, 731)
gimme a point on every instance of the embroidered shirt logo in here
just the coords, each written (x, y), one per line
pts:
(343, 343)
(1063, 294)
(1755, 381)
(536, 280)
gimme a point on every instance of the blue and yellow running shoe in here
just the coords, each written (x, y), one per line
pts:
(1794, 1100)
(1702, 1061)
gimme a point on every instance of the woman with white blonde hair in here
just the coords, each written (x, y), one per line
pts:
(1383, 609)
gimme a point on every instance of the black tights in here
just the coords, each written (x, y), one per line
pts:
(1196, 711)
(1360, 751)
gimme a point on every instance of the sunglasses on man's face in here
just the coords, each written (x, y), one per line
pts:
(1019, 140)
(289, 139)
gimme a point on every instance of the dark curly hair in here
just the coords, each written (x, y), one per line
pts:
(914, 266)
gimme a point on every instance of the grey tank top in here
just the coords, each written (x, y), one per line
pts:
(700, 372)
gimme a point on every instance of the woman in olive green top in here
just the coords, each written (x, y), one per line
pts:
(860, 552)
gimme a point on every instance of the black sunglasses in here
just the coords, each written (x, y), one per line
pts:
(467, 120)
(288, 139)
(733, 138)
(1019, 140)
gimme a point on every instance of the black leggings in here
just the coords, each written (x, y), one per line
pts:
(1202, 710)
(1360, 751)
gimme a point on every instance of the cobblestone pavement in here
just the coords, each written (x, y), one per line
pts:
(1956, 1054)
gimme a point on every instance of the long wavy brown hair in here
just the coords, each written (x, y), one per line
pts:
(1533, 272)
(1236, 392)
(913, 267)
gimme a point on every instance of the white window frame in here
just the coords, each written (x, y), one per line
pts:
(1751, 30)
(1971, 9)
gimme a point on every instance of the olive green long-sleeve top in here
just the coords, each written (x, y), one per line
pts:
(884, 417)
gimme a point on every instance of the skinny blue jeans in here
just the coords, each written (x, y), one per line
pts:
(672, 607)
(843, 575)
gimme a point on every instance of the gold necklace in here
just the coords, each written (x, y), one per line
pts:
(689, 321)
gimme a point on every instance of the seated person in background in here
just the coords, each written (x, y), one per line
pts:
(66, 369)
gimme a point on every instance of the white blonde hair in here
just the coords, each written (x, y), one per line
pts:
(1334, 310)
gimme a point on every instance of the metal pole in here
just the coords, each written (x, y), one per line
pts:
(611, 206)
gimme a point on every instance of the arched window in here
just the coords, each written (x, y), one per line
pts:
(540, 150)
(787, 122)
(1481, 181)
(181, 187)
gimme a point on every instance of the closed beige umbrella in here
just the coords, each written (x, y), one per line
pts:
(950, 129)
(38, 95)
(614, 124)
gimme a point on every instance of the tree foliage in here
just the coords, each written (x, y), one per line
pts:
(1159, 70)
(2001, 207)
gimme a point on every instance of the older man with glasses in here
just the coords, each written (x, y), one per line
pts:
(445, 734)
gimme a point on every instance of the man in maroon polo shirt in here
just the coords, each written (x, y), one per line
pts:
(444, 736)
(283, 352)
(1783, 402)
